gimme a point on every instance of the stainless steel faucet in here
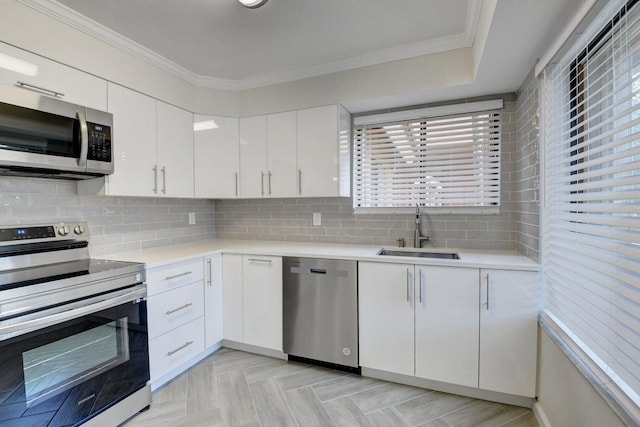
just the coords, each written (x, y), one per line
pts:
(418, 238)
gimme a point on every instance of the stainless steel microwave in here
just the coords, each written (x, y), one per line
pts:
(48, 137)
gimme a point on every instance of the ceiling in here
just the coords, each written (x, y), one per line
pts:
(232, 47)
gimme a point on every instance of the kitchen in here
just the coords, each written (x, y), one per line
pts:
(123, 224)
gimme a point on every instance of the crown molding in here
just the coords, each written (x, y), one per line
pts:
(88, 26)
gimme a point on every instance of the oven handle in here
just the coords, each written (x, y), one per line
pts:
(14, 327)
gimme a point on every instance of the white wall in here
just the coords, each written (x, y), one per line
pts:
(565, 397)
(34, 31)
(31, 30)
(408, 76)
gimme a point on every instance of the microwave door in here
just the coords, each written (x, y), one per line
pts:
(36, 139)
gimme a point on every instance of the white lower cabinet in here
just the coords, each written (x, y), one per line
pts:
(262, 301)
(386, 317)
(419, 321)
(252, 300)
(447, 328)
(213, 300)
(433, 322)
(508, 331)
(175, 307)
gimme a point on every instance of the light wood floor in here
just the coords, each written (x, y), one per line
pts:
(233, 388)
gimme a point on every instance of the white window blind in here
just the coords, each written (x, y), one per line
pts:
(443, 161)
(591, 215)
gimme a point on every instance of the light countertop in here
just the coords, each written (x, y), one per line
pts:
(155, 257)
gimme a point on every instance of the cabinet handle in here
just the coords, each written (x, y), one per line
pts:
(420, 296)
(487, 278)
(262, 183)
(408, 285)
(164, 180)
(300, 182)
(168, 312)
(269, 183)
(210, 276)
(41, 89)
(236, 184)
(185, 345)
(155, 179)
(259, 260)
(186, 273)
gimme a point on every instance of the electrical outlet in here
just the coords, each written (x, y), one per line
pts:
(317, 218)
(192, 218)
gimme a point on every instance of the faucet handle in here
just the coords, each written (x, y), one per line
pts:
(401, 243)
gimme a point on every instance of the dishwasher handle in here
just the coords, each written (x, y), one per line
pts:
(325, 272)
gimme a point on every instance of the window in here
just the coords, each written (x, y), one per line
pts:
(591, 215)
(442, 157)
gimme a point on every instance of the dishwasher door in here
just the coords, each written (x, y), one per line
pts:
(320, 310)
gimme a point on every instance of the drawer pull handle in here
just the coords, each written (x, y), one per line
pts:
(183, 346)
(186, 273)
(260, 260)
(179, 308)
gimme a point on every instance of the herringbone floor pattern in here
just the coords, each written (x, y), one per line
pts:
(233, 388)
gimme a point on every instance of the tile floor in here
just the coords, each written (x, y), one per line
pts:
(234, 388)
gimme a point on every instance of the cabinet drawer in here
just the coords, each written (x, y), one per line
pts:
(168, 277)
(171, 309)
(168, 351)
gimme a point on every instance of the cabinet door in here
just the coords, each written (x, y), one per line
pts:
(281, 155)
(447, 324)
(134, 143)
(232, 297)
(71, 85)
(213, 299)
(175, 151)
(385, 295)
(253, 156)
(262, 287)
(216, 157)
(508, 331)
(318, 152)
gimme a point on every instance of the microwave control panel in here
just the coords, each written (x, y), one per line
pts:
(99, 142)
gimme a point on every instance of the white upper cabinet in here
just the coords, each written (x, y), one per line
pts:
(134, 143)
(216, 157)
(253, 157)
(54, 79)
(153, 146)
(323, 152)
(175, 151)
(281, 154)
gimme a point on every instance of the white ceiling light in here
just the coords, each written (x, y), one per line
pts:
(252, 4)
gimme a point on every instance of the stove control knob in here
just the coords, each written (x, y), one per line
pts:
(78, 229)
(64, 230)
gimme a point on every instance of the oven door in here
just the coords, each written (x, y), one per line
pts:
(86, 359)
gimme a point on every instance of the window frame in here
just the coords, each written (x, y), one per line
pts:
(423, 115)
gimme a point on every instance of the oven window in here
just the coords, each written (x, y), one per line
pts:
(31, 131)
(60, 365)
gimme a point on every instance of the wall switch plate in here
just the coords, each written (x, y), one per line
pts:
(317, 218)
(192, 218)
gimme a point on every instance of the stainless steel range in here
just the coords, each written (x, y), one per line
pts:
(73, 331)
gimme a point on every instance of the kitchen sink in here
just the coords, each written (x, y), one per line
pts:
(418, 254)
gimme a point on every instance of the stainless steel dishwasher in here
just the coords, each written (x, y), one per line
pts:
(320, 304)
